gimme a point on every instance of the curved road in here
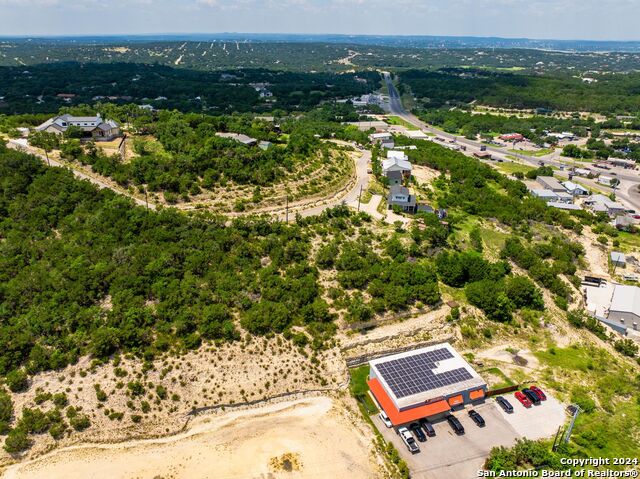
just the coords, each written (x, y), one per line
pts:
(350, 196)
(629, 180)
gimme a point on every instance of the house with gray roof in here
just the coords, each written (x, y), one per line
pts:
(401, 196)
(92, 127)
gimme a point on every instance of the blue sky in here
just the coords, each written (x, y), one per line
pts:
(557, 19)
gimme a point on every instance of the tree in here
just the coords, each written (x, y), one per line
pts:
(45, 140)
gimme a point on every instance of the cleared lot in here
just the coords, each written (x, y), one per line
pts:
(460, 457)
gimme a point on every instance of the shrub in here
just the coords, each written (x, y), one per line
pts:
(17, 441)
(17, 381)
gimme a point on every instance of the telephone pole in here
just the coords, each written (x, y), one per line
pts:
(359, 197)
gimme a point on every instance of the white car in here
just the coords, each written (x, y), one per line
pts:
(409, 440)
(385, 419)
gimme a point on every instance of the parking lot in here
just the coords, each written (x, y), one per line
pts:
(460, 457)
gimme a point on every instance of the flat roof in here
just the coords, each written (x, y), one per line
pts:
(423, 375)
(550, 182)
(626, 299)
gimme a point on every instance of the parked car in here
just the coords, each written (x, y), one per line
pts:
(523, 399)
(477, 418)
(417, 431)
(533, 397)
(385, 419)
(504, 404)
(455, 424)
(408, 440)
(428, 427)
(542, 396)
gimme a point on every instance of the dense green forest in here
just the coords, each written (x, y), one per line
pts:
(83, 271)
(611, 94)
(220, 54)
(35, 89)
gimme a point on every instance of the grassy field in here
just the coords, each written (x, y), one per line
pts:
(536, 153)
(359, 388)
(511, 168)
(500, 379)
(396, 120)
(607, 389)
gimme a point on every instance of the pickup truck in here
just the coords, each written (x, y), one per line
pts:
(408, 440)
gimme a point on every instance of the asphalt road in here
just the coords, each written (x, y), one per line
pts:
(629, 180)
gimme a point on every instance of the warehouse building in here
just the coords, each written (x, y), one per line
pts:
(550, 183)
(424, 383)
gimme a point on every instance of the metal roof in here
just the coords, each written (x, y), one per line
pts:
(626, 299)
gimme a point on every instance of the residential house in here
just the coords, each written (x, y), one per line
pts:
(240, 137)
(395, 177)
(575, 189)
(603, 204)
(92, 127)
(401, 196)
(396, 161)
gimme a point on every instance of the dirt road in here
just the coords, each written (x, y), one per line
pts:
(305, 438)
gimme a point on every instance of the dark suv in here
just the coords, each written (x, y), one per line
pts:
(504, 404)
(533, 397)
(455, 424)
(428, 427)
(417, 430)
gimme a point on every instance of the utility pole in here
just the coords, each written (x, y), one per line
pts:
(359, 197)
(146, 198)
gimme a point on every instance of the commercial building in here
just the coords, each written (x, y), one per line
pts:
(424, 383)
(546, 195)
(550, 183)
(564, 206)
(512, 137)
(624, 311)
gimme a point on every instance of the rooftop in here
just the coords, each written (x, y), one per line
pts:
(424, 375)
(626, 299)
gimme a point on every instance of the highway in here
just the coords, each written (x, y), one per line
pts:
(629, 180)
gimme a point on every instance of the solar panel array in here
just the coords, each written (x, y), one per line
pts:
(414, 374)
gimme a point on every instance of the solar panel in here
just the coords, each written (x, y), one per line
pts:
(414, 374)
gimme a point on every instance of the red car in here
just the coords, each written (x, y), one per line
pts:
(539, 393)
(523, 399)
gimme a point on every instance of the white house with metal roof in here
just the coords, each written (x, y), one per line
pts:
(92, 126)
